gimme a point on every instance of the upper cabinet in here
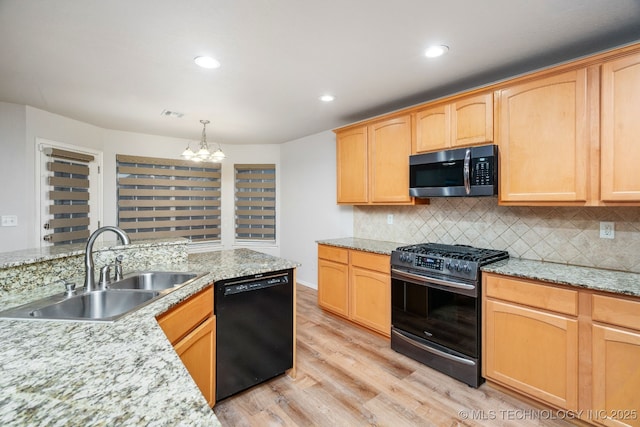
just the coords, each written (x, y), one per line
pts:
(466, 121)
(373, 162)
(620, 130)
(543, 139)
(567, 136)
(352, 165)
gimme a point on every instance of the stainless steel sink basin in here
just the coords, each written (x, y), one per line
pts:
(121, 297)
(153, 280)
(97, 305)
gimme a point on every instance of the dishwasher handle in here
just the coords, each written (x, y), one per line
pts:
(241, 286)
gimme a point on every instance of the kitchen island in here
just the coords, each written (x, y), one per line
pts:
(120, 373)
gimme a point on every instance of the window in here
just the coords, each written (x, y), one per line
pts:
(168, 198)
(69, 190)
(255, 202)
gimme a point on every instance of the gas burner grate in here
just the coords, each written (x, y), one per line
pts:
(458, 252)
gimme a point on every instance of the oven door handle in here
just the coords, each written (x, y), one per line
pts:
(441, 282)
(434, 350)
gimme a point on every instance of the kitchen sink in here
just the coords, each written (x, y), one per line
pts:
(97, 305)
(104, 305)
(153, 280)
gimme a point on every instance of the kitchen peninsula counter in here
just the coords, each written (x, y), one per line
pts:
(120, 373)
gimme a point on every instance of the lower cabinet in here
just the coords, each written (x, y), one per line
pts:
(616, 361)
(356, 285)
(576, 350)
(533, 351)
(191, 328)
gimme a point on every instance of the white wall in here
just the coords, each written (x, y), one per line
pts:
(20, 126)
(309, 210)
(14, 189)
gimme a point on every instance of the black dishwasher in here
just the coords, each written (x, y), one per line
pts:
(254, 330)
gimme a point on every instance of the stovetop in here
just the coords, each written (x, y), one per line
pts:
(458, 261)
(459, 252)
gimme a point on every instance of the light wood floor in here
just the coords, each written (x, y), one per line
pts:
(348, 376)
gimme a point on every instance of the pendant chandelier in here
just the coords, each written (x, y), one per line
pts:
(203, 154)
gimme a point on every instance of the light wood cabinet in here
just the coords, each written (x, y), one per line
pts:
(526, 345)
(190, 327)
(616, 361)
(620, 128)
(352, 165)
(355, 285)
(573, 349)
(464, 122)
(543, 138)
(373, 162)
(333, 279)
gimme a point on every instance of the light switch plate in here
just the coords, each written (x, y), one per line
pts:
(390, 219)
(607, 230)
(9, 220)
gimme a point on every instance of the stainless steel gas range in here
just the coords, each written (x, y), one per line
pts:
(435, 306)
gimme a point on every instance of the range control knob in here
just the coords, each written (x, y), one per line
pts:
(457, 266)
(448, 265)
(466, 268)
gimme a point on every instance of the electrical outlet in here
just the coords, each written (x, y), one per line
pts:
(9, 220)
(390, 219)
(607, 230)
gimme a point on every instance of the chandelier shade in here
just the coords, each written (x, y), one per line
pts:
(203, 154)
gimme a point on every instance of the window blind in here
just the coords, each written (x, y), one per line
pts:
(67, 201)
(168, 198)
(255, 201)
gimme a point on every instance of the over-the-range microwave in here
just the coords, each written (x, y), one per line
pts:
(461, 172)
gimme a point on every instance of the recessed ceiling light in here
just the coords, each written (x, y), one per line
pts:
(206, 62)
(435, 51)
(327, 98)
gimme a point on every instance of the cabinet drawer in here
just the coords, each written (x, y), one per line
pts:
(371, 261)
(185, 317)
(331, 253)
(532, 294)
(616, 311)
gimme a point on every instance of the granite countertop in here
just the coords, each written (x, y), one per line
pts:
(367, 245)
(619, 282)
(120, 373)
(29, 256)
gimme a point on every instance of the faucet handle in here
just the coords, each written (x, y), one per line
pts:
(118, 267)
(70, 288)
(104, 275)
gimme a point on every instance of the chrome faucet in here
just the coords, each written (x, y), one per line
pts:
(89, 279)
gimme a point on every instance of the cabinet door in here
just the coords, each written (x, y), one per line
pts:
(352, 165)
(619, 145)
(616, 376)
(472, 121)
(389, 150)
(197, 351)
(333, 287)
(543, 139)
(371, 299)
(532, 351)
(186, 316)
(433, 129)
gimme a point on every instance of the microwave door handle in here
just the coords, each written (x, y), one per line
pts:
(467, 180)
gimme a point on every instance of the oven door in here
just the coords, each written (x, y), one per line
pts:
(440, 311)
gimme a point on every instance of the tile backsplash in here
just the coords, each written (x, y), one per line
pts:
(568, 235)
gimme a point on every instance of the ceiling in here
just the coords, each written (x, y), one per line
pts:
(118, 64)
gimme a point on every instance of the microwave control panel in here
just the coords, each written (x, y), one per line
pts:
(482, 168)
